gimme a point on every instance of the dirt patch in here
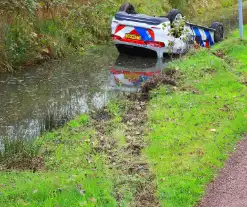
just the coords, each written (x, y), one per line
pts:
(166, 78)
(229, 188)
(133, 174)
(102, 115)
(245, 82)
(209, 70)
(33, 164)
(189, 88)
(219, 54)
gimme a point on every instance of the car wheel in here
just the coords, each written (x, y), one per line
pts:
(128, 8)
(219, 31)
(175, 15)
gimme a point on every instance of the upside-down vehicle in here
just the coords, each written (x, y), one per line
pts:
(160, 35)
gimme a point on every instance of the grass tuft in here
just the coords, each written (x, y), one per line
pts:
(19, 154)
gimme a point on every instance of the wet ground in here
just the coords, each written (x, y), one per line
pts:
(46, 96)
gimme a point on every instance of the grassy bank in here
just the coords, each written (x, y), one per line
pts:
(73, 175)
(94, 160)
(33, 31)
(103, 159)
(196, 125)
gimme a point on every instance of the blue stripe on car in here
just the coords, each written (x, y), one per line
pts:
(209, 37)
(198, 36)
(144, 34)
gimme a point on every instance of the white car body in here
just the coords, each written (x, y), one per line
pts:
(153, 33)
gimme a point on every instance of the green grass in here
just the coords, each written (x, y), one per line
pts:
(18, 151)
(74, 176)
(194, 127)
(77, 170)
(194, 132)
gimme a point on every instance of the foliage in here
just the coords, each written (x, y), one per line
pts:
(17, 5)
(178, 30)
(194, 7)
(19, 40)
(196, 127)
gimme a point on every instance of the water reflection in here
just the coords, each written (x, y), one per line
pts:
(129, 74)
(47, 96)
(41, 98)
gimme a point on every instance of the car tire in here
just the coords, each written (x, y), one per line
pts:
(174, 15)
(128, 8)
(219, 31)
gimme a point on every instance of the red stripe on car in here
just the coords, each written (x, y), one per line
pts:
(119, 27)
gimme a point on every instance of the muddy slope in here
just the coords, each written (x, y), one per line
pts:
(126, 158)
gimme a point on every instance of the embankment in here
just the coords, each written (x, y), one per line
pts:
(158, 148)
(33, 31)
(195, 126)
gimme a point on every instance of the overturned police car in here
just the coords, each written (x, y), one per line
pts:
(170, 34)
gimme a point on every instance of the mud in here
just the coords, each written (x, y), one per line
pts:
(245, 83)
(219, 54)
(34, 164)
(101, 115)
(133, 174)
(166, 78)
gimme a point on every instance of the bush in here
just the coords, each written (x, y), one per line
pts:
(20, 43)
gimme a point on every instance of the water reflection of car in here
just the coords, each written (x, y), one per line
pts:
(129, 73)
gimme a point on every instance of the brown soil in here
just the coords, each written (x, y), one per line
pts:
(127, 159)
(167, 78)
(229, 189)
(245, 83)
(33, 164)
(219, 54)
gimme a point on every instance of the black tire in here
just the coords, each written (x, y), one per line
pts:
(128, 8)
(219, 31)
(173, 15)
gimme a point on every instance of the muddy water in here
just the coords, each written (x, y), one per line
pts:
(47, 96)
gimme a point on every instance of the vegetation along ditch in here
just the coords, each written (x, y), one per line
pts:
(159, 147)
(33, 31)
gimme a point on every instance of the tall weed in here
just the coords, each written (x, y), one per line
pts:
(19, 40)
(18, 153)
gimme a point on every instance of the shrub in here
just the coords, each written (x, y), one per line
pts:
(20, 41)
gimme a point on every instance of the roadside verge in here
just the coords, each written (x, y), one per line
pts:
(195, 126)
